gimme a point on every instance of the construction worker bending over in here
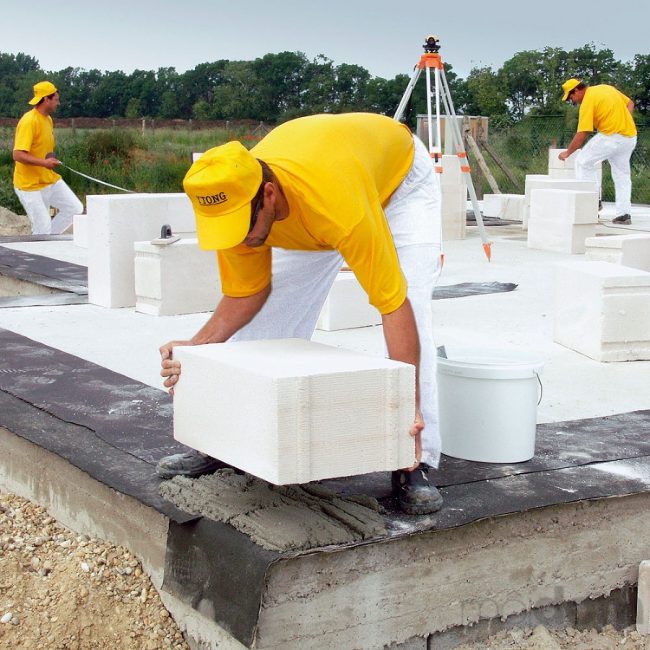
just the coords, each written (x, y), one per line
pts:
(283, 217)
(608, 111)
(36, 184)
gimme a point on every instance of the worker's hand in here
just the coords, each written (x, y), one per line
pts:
(416, 432)
(563, 155)
(171, 369)
(51, 163)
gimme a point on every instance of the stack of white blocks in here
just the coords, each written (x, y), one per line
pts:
(454, 198)
(542, 182)
(178, 278)
(627, 250)
(603, 310)
(504, 206)
(320, 412)
(115, 223)
(346, 306)
(561, 220)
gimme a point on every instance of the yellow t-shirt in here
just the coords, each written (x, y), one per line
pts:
(34, 134)
(337, 173)
(604, 109)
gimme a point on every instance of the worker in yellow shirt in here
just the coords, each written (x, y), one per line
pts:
(315, 192)
(608, 111)
(36, 184)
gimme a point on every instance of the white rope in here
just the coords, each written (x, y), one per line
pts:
(96, 180)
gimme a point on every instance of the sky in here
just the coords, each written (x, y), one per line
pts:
(383, 36)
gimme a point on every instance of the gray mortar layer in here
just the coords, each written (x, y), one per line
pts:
(278, 518)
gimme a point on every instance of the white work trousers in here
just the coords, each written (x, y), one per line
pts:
(616, 149)
(37, 204)
(302, 280)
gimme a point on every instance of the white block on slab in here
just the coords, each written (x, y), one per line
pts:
(504, 206)
(176, 279)
(80, 230)
(572, 206)
(319, 411)
(628, 250)
(347, 306)
(116, 222)
(561, 173)
(603, 310)
(559, 236)
(643, 599)
(544, 182)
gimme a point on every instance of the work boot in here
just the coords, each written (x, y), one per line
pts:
(623, 219)
(415, 495)
(192, 464)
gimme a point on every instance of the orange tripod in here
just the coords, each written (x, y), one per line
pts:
(431, 60)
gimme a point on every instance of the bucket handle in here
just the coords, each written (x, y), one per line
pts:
(541, 388)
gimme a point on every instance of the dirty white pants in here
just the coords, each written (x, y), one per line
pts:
(616, 149)
(37, 206)
(302, 280)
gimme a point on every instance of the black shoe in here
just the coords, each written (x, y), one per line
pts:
(623, 219)
(192, 463)
(414, 493)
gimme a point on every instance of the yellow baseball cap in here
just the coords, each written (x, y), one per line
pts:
(221, 185)
(568, 86)
(42, 89)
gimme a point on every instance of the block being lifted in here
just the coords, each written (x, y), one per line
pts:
(294, 411)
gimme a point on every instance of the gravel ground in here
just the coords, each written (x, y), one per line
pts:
(62, 591)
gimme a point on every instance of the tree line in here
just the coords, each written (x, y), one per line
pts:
(277, 87)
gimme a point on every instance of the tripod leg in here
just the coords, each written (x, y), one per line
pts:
(399, 113)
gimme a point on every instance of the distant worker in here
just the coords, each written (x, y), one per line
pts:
(37, 185)
(608, 111)
(284, 216)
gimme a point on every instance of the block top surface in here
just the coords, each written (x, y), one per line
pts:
(148, 247)
(611, 274)
(287, 357)
(614, 241)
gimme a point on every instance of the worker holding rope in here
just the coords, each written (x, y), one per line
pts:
(36, 184)
(284, 216)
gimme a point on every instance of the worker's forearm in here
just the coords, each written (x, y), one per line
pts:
(230, 316)
(577, 142)
(402, 340)
(27, 158)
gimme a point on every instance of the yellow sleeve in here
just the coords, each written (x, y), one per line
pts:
(24, 135)
(244, 271)
(370, 252)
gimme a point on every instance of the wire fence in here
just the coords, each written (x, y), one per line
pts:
(515, 151)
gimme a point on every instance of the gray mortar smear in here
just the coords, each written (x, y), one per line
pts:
(277, 518)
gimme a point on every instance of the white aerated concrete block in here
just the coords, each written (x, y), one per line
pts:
(561, 173)
(559, 236)
(453, 199)
(347, 306)
(115, 223)
(80, 230)
(555, 163)
(543, 182)
(504, 206)
(573, 206)
(179, 278)
(603, 310)
(643, 599)
(293, 411)
(627, 250)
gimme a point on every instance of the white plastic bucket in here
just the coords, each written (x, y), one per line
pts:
(488, 403)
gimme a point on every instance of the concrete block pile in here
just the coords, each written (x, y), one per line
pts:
(318, 411)
(115, 223)
(603, 310)
(454, 198)
(561, 220)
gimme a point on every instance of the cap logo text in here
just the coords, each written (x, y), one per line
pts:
(212, 199)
